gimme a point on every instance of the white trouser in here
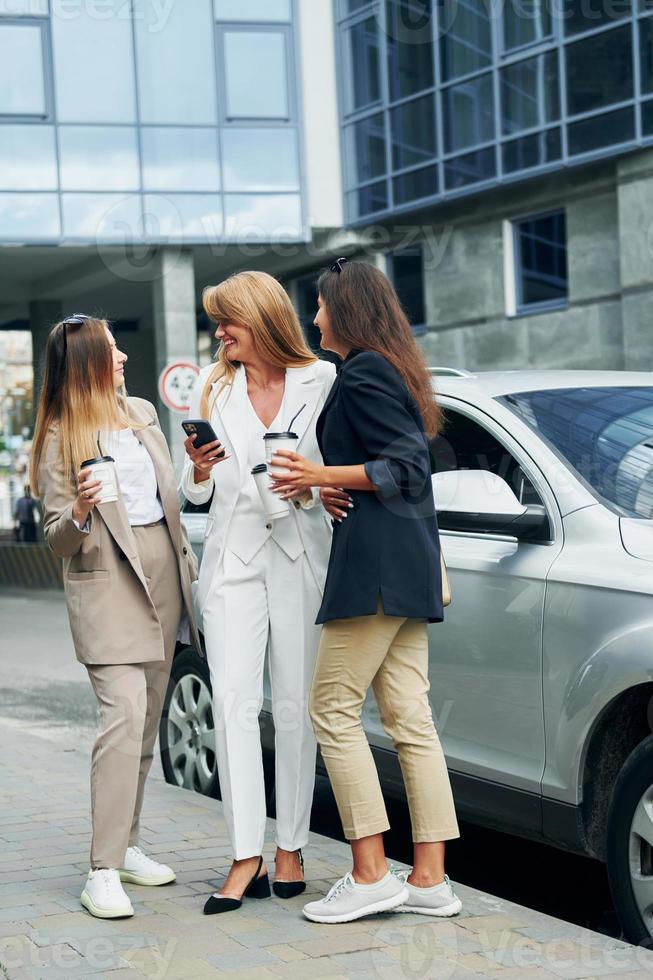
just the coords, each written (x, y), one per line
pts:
(270, 599)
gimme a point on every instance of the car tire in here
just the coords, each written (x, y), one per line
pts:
(186, 731)
(629, 846)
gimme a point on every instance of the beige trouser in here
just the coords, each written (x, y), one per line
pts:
(130, 699)
(391, 654)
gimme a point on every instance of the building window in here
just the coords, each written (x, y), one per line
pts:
(540, 249)
(406, 270)
(256, 10)
(256, 73)
(22, 69)
(524, 22)
(362, 66)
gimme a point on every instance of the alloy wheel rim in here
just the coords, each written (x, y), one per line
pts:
(640, 857)
(191, 734)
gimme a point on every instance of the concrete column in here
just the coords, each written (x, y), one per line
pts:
(175, 329)
(635, 216)
(43, 314)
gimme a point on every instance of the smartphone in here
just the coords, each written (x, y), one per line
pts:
(204, 432)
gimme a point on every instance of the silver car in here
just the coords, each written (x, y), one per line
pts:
(542, 673)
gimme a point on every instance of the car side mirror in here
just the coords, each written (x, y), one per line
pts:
(481, 501)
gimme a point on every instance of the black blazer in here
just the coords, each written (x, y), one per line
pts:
(388, 545)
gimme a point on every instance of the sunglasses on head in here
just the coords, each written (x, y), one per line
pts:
(338, 264)
(76, 320)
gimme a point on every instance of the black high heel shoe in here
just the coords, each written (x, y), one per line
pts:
(288, 889)
(257, 888)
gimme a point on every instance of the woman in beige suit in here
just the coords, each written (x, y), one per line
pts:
(127, 568)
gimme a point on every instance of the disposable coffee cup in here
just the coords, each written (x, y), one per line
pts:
(103, 468)
(275, 507)
(279, 440)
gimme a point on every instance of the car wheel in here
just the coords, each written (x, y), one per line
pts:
(630, 845)
(186, 730)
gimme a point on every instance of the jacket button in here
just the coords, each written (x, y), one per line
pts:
(122, 556)
(269, 527)
(185, 550)
(297, 504)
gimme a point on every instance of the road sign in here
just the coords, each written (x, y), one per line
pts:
(176, 383)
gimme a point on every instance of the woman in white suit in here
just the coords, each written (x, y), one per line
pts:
(261, 581)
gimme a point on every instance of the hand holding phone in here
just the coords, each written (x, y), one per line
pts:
(202, 446)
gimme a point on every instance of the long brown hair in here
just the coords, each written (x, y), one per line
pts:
(258, 301)
(77, 394)
(365, 314)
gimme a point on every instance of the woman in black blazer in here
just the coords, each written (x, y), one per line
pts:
(383, 585)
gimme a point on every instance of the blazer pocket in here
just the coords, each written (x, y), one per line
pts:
(99, 575)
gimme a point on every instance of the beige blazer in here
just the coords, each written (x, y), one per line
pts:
(112, 616)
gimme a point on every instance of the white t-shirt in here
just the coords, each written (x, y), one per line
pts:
(136, 476)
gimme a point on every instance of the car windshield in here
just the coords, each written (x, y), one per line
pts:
(604, 434)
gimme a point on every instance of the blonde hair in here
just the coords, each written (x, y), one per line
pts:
(77, 395)
(258, 301)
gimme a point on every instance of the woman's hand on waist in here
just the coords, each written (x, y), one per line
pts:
(205, 458)
(336, 502)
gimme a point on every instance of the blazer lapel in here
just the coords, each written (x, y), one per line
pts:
(302, 387)
(153, 440)
(232, 405)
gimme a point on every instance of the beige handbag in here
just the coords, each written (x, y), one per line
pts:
(446, 588)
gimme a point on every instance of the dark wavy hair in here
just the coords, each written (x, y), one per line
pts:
(366, 314)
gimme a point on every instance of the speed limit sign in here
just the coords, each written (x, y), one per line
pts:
(176, 383)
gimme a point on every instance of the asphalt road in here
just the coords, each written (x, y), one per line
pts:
(43, 686)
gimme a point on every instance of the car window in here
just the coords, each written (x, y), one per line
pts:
(465, 444)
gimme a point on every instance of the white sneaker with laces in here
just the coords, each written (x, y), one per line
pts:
(440, 900)
(104, 896)
(139, 869)
(347, 900)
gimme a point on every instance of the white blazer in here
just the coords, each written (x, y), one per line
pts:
(310, 385)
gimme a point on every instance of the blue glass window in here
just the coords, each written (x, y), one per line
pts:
(362, 67)
(196, 217)
(468, 113)
(29, 216)
(415, 184)
(466, 41)
(267, 217)
(413, 132)
(529, 93)
(99, 158)
(581, 15)
(410, 49)
(260, 159)
(525, 21)
(93, 63)
(102, 217)
(365, 149)
(28, 158)
(256, 74)
(22, 81)
(256, 10)
(176, 62)
(599, 70)
(181, 159)
(532, 151)
(541, 253)
(369, 199)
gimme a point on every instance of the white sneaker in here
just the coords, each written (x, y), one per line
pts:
(348, 900)
(104, 896)
(139, 869)
(438, 900)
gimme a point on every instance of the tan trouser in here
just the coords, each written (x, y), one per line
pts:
(391, 654)
(130, 700)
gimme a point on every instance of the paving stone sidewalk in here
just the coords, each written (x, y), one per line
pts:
(44, 933)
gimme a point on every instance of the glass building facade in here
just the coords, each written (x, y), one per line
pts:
(174, 122)
(440, 98)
